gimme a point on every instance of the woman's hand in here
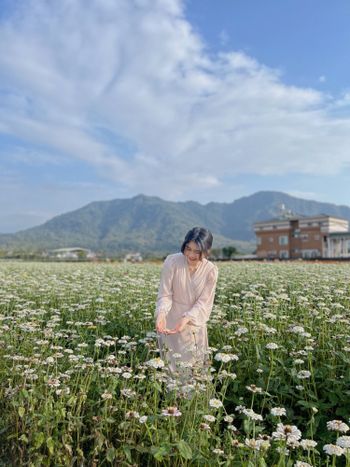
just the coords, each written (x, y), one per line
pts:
(180, 326)
(161, 324)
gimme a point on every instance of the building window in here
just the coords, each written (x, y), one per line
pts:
(284, 254)
(304, 237)
(310, 253)
(272, 254)
(283, 240)
(271, 239)
(316, 237)
(258, 240)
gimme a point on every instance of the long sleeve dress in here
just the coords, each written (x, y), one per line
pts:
(182, 294)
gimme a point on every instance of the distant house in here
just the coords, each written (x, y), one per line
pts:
(320, 236)
(133, 258)
(74, 253)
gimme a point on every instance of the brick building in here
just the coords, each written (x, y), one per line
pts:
(303, 237)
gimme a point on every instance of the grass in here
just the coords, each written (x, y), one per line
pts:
(81, 382)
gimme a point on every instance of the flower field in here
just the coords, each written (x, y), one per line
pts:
(81, 381)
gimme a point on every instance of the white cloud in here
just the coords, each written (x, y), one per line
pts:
(137, 69)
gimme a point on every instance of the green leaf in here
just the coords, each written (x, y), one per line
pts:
(25, 393)
(100, 439)
(306, 404)
(248, 426)
(109, 420)
(21, 411)
(157, 386)
(111, 454)
(127, 453)
(50, 445)
(24, 439)
(39, 439)
(159, 452)
(71, 401)
(333, 398)
(184, 449)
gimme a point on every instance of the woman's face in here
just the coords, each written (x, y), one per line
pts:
(192, 253)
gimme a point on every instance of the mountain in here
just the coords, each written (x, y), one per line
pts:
(150, 224)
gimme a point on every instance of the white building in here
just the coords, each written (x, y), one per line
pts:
(72, 253)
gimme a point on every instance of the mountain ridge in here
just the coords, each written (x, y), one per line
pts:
(151, 224)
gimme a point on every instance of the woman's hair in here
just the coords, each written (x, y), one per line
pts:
(202, 237)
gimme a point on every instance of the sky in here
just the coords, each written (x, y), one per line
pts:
(183, 99)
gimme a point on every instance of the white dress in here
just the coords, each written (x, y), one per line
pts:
(183, 294)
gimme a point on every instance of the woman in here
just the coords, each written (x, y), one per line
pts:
(185, 300)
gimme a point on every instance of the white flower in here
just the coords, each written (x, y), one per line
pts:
(333, 450)
(64, 391)
(302, 464)
(282, 450)
(304, 374)
(228, 419)
(216, 403)
(251, 414)
(50, 360)
(257, 444)
(254, 389)
(126, 375)
(54, 382)
(209, 418)
(344, 442)
(129, 393)
(143, 419)
(232, 428)
(278, 411)
(204, 427)
(132, 414)
(290, 433)
(272, 346)
(241, 330)
(226, 374)
(297, 329)
(219, 452)
(155, 363)
(240, 408)
(171, 412)
(308, 444)
(337, 425)
(106, 396)
(225, 357)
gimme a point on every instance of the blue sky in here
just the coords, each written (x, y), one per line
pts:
(182, 99)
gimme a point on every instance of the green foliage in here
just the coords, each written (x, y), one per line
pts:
(76, 388)
(229, 251)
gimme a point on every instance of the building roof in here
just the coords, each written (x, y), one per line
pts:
(298, 217)
(67, 250)
(339, 234)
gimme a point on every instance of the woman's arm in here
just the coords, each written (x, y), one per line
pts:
(165, 293)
